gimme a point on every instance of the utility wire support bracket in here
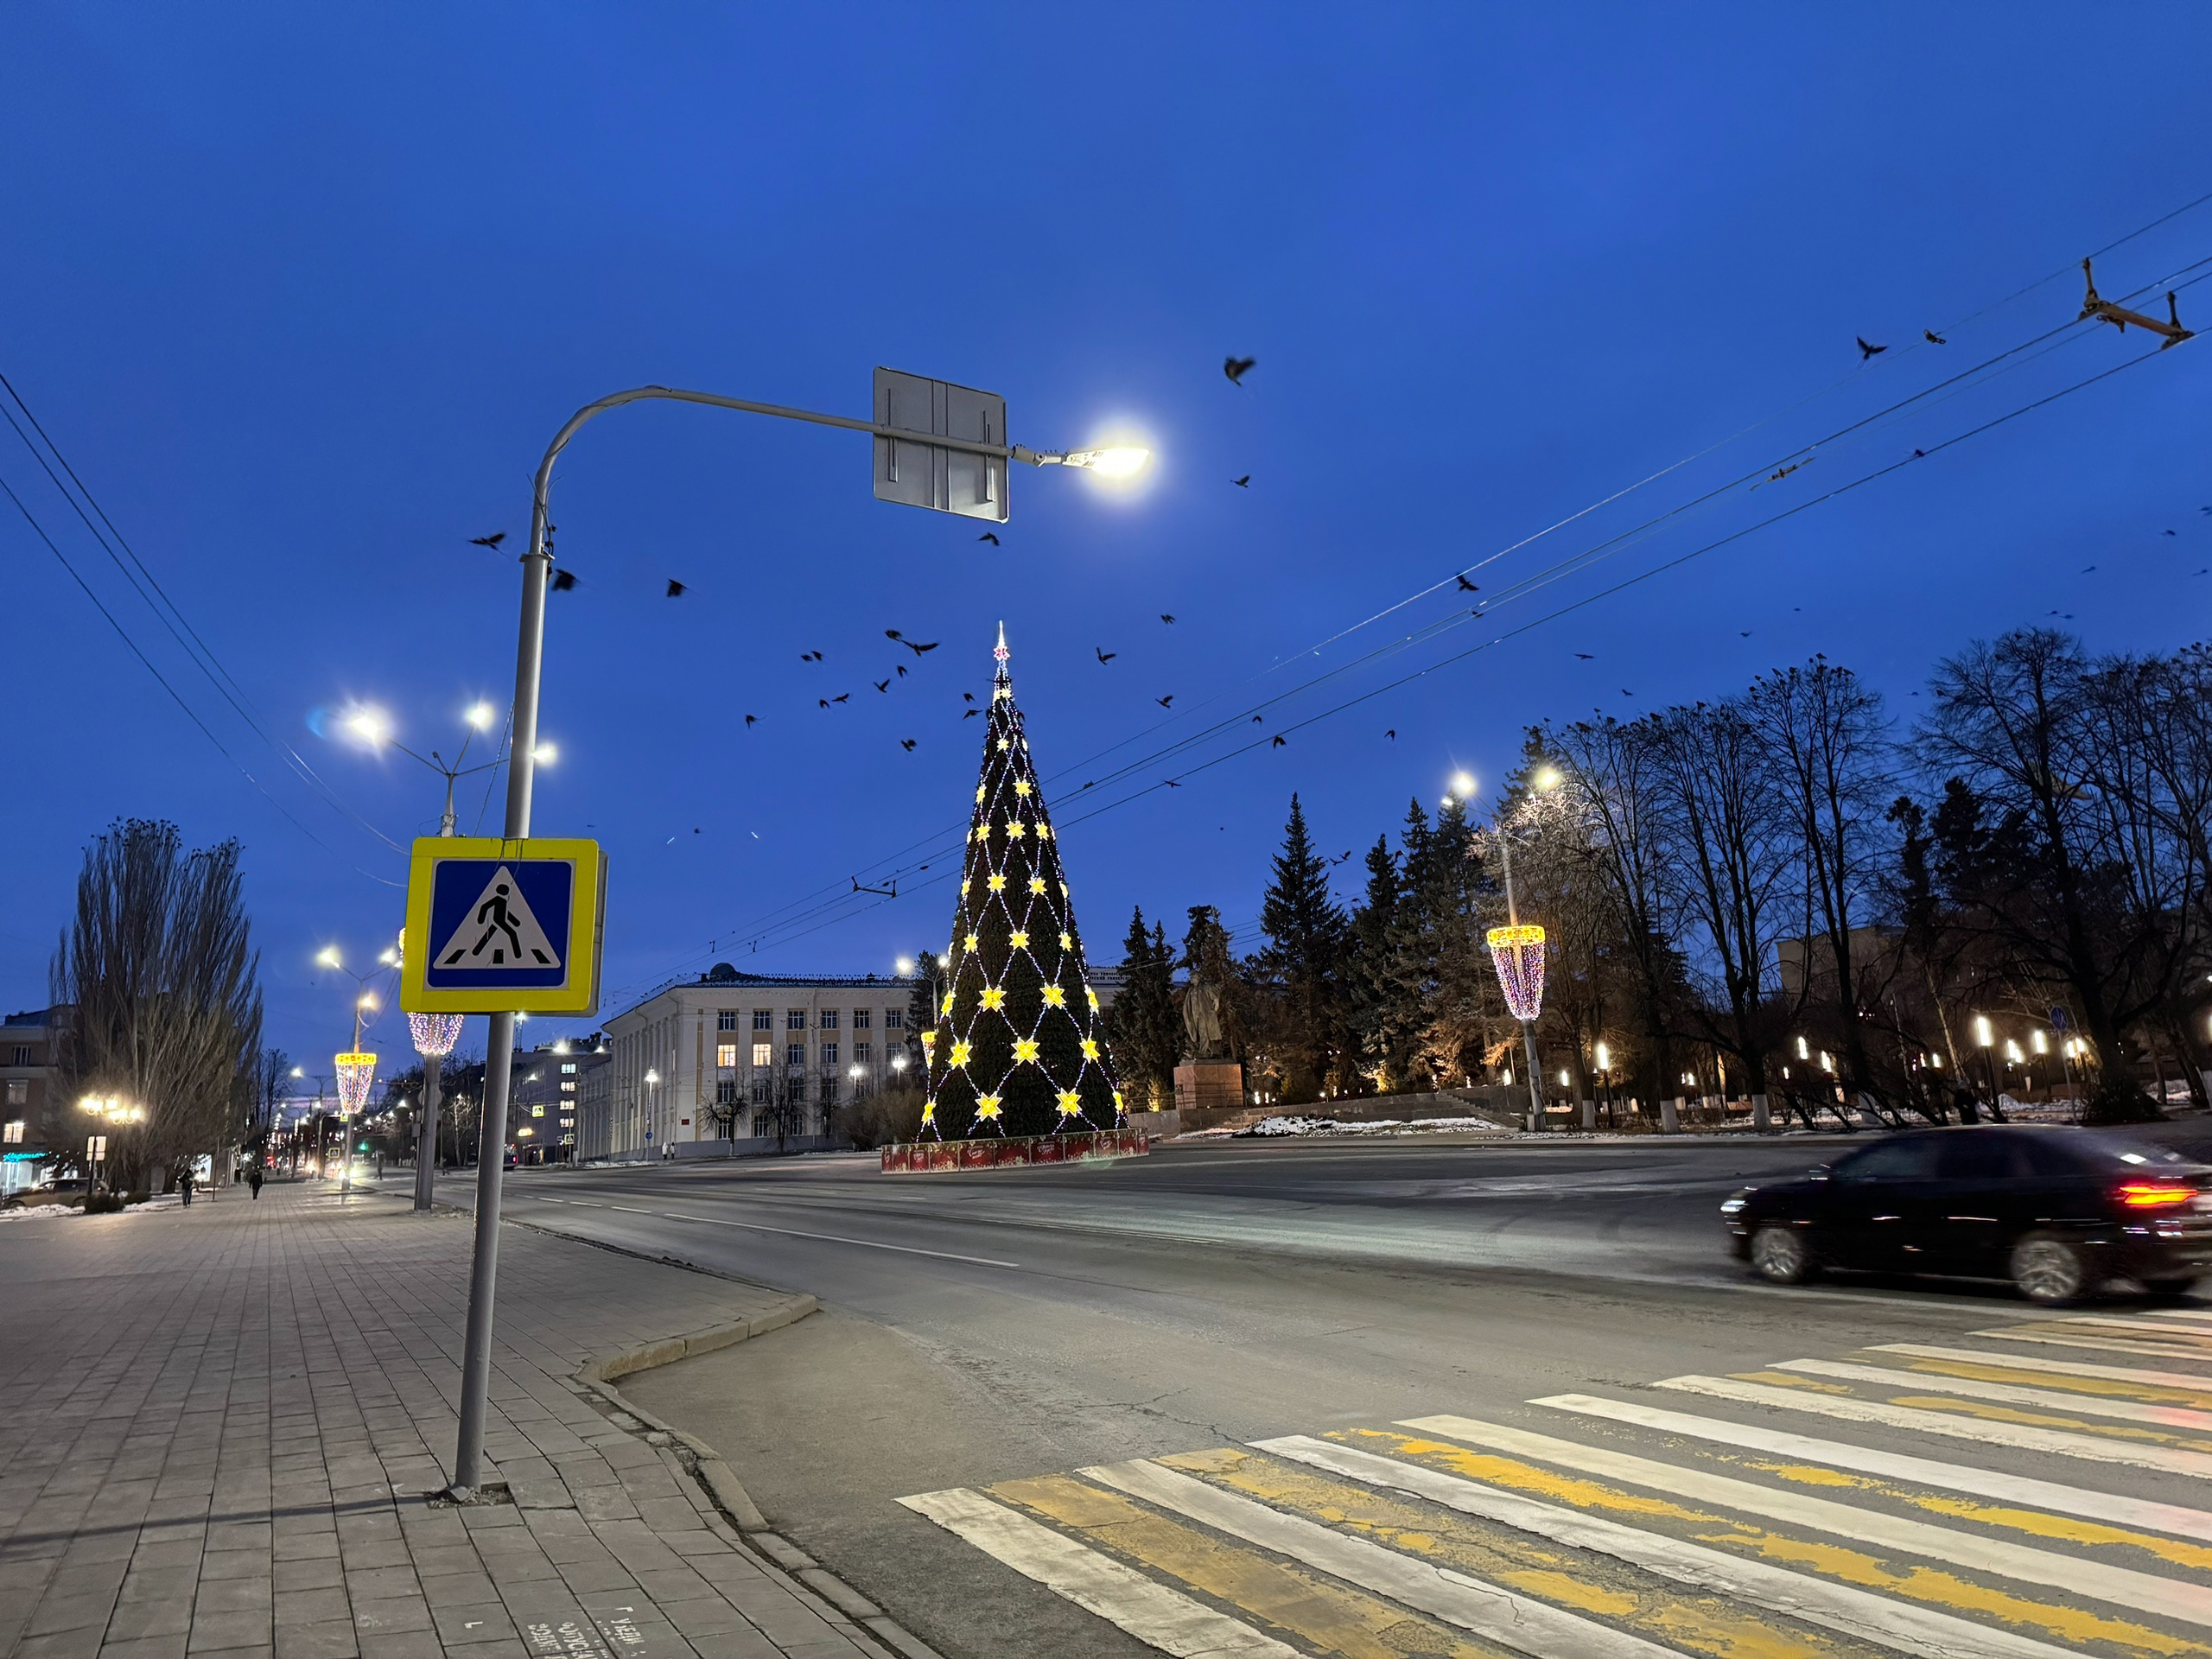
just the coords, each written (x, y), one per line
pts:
(891, 892)
(2120, 316)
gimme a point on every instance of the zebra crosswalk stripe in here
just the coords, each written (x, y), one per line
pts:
(1529, 1626)
(1150, 1611)
(2188, 1380)
(2160, 1327)
(2022, 1437)
(2144, 1591)
(2133, 1411)
(1898, 1625)
(2055, 1337)
(2060, 1499)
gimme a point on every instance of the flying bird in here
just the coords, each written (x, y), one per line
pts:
(843, 696)
(1166, 618)
(564, 581)
(1866, 351)
(1243, 483)
(970, 714)
(1171, 784)
(751, 719)
(2086, 570)
(810, 656)
(675, 589)
(1920, 454)
(1279, 741)
(1104, 655)
(822, 703)
(1626, 692)
(1392, 733)
(1164, 702)
(1467, 586)
(1745, 632)
(918, 650)
(882, 685)
(1933, 337)
(902, 670)
(907, 744)
(2172, 532)
(992, 536)
(1257, 721)
(1237, 368)
(1587, 657)
(892, 634)
(967, 697)
(493, 540)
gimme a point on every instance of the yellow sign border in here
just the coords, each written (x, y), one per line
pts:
(587, 924)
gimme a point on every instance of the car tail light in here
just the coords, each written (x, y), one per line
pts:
(2155, 1195)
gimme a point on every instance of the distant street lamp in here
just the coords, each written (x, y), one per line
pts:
(373, 727)
(1986, 1040)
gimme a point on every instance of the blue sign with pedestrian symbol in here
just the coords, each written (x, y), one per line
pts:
(499, 926)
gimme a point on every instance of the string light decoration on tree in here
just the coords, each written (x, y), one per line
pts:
(356, 1071)
(1016, 1050)
(434, 1034)
(1517, 953)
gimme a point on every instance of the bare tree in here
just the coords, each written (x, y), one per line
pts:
(1828, 752)
(159, 965)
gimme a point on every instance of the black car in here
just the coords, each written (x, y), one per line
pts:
(2058, 1211)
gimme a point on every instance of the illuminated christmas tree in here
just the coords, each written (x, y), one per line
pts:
(1016, 1050)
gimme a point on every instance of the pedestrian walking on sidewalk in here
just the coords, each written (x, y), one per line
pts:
(184, 1186)
(253, 1179)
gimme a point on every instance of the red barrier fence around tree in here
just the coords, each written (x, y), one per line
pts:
(923, 1157)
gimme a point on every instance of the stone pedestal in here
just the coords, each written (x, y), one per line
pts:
(1202, 1085)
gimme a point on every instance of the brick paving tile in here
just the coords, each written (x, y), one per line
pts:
(222, 1433)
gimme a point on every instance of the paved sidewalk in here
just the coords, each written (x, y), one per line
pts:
(220, 1426)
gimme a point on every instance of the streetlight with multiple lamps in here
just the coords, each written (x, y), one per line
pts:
(373, 727)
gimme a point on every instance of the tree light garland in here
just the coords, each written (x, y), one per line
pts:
(1518, 955)
(434, 1034)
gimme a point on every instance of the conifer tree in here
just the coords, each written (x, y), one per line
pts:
(1015, 1047)
(1146, 1033)
(1306, 941)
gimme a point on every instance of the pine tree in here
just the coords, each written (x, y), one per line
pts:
(1306, 933)
(1015, 1048)
(1382, 986)
(1145, 1032)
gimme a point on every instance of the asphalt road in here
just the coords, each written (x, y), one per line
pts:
(993, 1327)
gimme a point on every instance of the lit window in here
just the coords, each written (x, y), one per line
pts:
(13, 1133)
(568, 1067)
(568, 1086)
(725, 1054)
(795, 1020)
(828, 1018)
(860, 1017)
(726, 1019)
(763, 1054)
(894, 1020)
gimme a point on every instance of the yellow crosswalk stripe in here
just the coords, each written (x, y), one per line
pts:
(2101, 1507)
(2158, 1327)
(1153, 1613)
(1900, 1625)
(1329, 1618)
(2140, 1591)
(1533, 1628)
(1693, 1623)
(1922, 1419)
(2004, 1393)
(2056, 1336)
(2123, 1382)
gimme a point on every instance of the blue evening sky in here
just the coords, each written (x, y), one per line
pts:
(302, 291)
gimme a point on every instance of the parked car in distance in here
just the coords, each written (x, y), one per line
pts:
(2058, 1211)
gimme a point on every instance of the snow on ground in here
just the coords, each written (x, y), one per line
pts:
(1273, 1126)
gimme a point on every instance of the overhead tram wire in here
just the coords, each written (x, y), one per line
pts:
(176, 696)
(769, 928)
(790, 929)
(166, 611)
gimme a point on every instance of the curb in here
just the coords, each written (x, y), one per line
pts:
(846, 1606)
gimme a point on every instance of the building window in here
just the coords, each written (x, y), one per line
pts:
(726, 1092)
(829, 1053)
(829, 1090)
(860, 1017)
(860, 1054)
(24, 1054)
(795, 1020)
(828, 1018)
(19, 1092)
(726, 1019)
(725, 1054)
(13, 1133)
(567, 1085)
(567, 1068)
(795, 1055)
(760, 1093)
(764, 1054)
(764, 1019)
(894, 1019)
(764, 1124)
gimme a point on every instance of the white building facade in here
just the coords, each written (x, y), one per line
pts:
(736, 1057)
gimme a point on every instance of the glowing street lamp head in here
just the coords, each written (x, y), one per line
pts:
(371, 726)
(481, 716)
(1547, 778)
(1123, 460)
(1462, 784)
(1982, 1035)
(545, 754)
(329, 956)
(904, 966)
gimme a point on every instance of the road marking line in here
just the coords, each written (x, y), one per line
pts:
(1322, 1613)
(2185, 1314)
(1532, 1627)
(2020, 1436)
(1166, 1618)
(2010, 1394)
(2137, 1323)
(792, 1232)
(2173, 1518)
(2141, 1591)
(1855, 1612)
(2154, 1384)
(2048, 1335)
(1606, 1589)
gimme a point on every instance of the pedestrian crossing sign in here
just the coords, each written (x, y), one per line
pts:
(498, 926)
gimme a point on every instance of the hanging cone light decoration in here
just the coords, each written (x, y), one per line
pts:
(356, 1071)
(1016, 1049)
(1517, 953)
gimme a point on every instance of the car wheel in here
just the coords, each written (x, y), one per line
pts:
(2167, 1289)
(1779, 1256)
(2048, 1271)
